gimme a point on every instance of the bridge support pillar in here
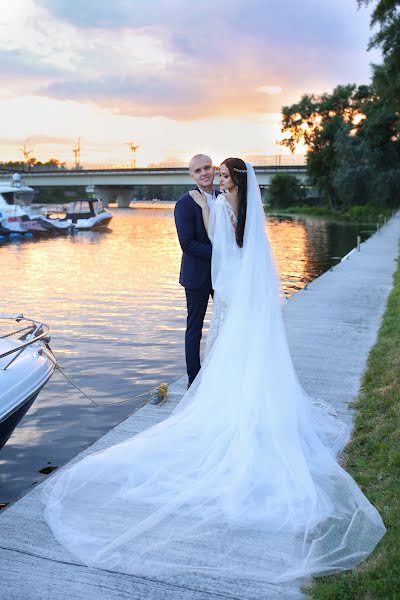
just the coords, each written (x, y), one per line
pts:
(105, 194)
(124, 197)
(264, 193)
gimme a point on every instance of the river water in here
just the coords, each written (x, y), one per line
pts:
(117, 317)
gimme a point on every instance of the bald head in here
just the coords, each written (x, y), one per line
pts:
(202, 171)
(197, 158)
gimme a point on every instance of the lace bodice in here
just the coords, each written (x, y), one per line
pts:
(223, 200)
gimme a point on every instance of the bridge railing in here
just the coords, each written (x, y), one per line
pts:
(275, 160)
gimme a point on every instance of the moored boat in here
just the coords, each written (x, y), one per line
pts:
(15, 204)
(88, 214)
(19, 217)
(26, 365)
(21, 225)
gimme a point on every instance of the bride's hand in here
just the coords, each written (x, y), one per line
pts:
(227, 195)
(199, 198)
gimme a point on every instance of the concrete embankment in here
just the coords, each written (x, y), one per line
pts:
(331, 327)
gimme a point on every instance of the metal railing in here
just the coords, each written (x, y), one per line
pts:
(261, 160)
(34, 332)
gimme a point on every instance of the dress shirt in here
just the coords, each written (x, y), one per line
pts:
(210, 197)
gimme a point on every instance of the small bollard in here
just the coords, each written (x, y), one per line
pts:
(358, 242)
(159, 394)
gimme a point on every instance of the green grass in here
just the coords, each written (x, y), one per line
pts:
(373, 460)
(357, 214)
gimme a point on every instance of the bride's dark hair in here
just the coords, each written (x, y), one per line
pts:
(238, 172)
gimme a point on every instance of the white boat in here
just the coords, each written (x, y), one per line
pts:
(26, 365)
(88, 214)
(18, 216)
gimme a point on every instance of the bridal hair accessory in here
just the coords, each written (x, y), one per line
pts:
(239, 170)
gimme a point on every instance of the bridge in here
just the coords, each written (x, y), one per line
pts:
(108, 184)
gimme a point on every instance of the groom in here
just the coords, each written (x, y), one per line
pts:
(195, 275)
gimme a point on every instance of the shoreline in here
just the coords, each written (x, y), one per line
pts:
(375, 216)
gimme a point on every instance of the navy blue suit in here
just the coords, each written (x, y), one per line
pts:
(195, 275)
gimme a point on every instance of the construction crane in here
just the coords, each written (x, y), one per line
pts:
(133, 147)
(26, 152)
(77, 153)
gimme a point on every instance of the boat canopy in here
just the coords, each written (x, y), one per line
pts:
(85, 208)
(22, 195)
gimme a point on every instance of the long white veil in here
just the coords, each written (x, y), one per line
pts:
(241, 480)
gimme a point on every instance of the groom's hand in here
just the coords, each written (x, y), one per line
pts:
(199, 198)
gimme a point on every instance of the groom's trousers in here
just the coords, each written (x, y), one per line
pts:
(196, 302)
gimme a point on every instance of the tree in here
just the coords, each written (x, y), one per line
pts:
(386, 77)
(353, 175)
(285, 190)
(54, 163)
(316, 121)
(13, 165)
(386, 15)
(33, 163)
(380, 129)
(382, 125)
(353, 135)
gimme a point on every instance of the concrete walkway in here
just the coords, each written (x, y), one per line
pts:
(331, 327)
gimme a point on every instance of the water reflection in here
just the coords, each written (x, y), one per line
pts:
(117, 315)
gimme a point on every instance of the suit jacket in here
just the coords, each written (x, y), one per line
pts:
(195, 244)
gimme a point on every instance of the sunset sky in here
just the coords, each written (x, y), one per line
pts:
(176, 77)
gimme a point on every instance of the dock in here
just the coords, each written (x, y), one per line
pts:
(331, 326)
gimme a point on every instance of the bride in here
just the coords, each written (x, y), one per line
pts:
(241, 480)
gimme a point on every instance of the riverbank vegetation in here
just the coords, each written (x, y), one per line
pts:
(52, 164)
(286, 196)
(373, 455)
(352, 134)
(373, 459)
(356, 214)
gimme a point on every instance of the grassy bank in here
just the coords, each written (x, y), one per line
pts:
(357, 214)
(373, 459)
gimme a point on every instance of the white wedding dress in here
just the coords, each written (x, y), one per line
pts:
(241, 480)
(225, 264)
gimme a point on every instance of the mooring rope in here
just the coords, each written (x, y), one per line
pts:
(160, 392)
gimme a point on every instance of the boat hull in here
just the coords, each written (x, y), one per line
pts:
(23, 373)
(23, 226)
(103, 224)
(8, 425)
(56, 226)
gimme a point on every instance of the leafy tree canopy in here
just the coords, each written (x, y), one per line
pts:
(285, 190)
